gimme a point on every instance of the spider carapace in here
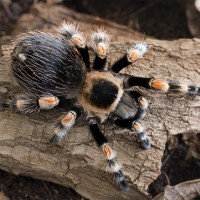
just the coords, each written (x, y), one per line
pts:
(50, 67)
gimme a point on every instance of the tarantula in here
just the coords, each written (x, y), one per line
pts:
(54, 68)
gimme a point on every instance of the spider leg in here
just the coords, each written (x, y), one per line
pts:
(100, 40)
(156, 84)
(71, 31)
(137, 126)
(110, 155)
(142, 103)
(28, 103)
(133, 122)
(65, 123)
(134, 53)
(183, 88)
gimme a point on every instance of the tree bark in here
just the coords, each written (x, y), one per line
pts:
(77, 162)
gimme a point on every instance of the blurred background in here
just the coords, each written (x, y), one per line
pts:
(170, 19)
(159, 19)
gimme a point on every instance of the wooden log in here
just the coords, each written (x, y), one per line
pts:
(77, 162)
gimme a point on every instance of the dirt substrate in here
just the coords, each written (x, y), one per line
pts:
(25, 188)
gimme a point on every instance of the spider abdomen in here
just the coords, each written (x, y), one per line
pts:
(46, 63)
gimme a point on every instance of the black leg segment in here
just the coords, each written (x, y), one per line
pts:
(99, 63)
(85, 55)
(97, 135)
(137, 81)
(120, 64)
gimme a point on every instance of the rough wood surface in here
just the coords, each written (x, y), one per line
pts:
(77, 162)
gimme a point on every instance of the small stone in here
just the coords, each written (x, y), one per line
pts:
(3, 196)
(3, 90)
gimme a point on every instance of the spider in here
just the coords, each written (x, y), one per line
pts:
(53, 69)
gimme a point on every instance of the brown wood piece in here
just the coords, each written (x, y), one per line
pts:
(77, 162)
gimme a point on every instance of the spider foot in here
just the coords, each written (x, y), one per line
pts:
(187, 89)
(143, 105)
(54, 139)
(120, 181)
(26, 103)
(136, 52)
(71, 31)
(115, 167)
(63, 127)
(100, 40)
(145, 142)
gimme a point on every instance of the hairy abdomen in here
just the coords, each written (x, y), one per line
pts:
(45, 63)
